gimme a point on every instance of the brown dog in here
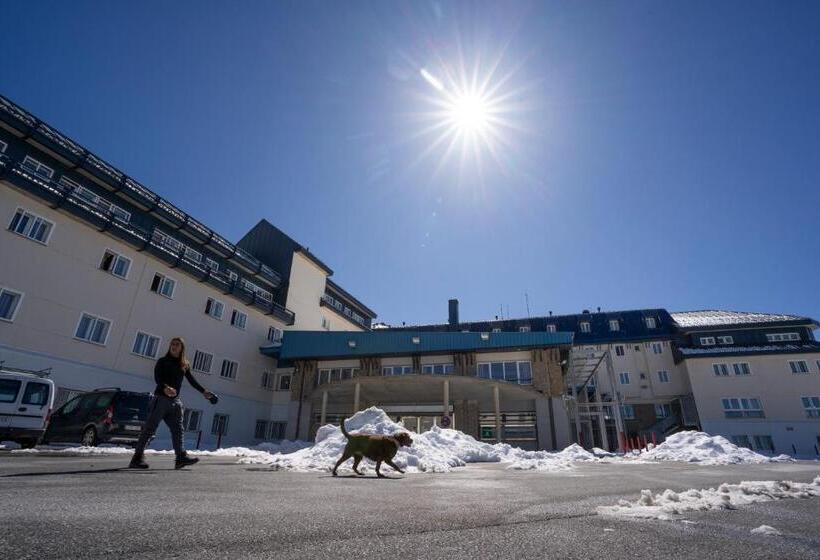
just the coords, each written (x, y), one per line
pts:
(376, 448)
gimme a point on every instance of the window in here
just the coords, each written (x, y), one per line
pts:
(742, 441)
(115, 264)
(395, 370)
(437, 368)
(89, 198)
(721, 370)
(663, 376)
(663, 410)
(261, 429)
(782, 337)
(34, 166)
(764, 443)
(614, 325)
(657, 348)
(9, 389)
(284, 382)
(496, 329)
(191, 419)
(238, 319)
(274, 335)
(266, 429)
(9, 304)
(268, 380)
(741, 368)
(92, 329)
(628, 412)
(725, 340)
(32, 226)
(585, 326)
(514, 372)
(623, 377)
(229, 368)
(742, 407)
(214, 308)
(619, 350)
(812, 406)
(212, 264)
(202, 361)
(220, 424)
(163, 285)
(551, 328)
(146, 345)
(650, 322)
(36, 394)
(193, 255)
(707, 341)
(524, 329)
(325, 323)
(799, 366)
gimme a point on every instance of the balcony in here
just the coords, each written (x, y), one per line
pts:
(169, 213)
(339, 307)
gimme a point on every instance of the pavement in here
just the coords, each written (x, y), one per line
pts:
(78, 507)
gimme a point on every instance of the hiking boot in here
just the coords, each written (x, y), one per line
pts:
(137, 462)
(184, 461)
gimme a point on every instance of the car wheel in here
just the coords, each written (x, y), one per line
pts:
(90, 437)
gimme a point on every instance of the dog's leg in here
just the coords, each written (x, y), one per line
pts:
(345, 456)
(356, 460)
(378, 472)
(392, 464)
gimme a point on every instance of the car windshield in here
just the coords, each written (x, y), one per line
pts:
(8, 390)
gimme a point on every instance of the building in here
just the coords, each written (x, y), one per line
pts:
(752, 377)
(100, 272)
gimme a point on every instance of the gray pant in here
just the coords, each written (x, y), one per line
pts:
(171, 411)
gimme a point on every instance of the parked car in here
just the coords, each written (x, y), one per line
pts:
(26, 399)
(108, 415)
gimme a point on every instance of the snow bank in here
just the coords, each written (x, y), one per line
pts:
(766, 530)
(6, 445)
(260, 452)
(436, 450)
(726, 496)
(700, 447)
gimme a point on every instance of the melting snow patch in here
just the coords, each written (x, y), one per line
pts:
(726, 496)
(766, 530)
(261, 452)
(700, 447)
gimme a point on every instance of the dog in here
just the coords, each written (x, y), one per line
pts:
(376, 448)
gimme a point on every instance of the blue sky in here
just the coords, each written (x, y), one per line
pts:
(651, 154)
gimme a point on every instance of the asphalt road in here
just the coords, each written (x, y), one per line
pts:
(53, 507)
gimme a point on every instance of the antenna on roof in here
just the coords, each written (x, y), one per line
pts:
(527, 301)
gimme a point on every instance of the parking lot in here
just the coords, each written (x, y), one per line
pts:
(62, 507)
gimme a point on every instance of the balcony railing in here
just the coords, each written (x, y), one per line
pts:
(102, 215)
(338, 306)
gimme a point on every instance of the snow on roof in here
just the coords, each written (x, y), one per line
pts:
(716, 317)
(782, 348)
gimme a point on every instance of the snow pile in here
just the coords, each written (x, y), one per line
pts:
(766, 530)
(437, 450)
(261, 452)
(6, 445)
(726, 496)
(700, 447)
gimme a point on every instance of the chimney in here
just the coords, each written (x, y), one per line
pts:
(453, 308)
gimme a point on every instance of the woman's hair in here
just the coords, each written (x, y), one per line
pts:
(183, 359)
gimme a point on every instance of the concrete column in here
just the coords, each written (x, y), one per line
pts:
(577, 415)
(357, 390)
(446, 398)
(601, 418)
(497, 403)
(323, 415)
(616, 401)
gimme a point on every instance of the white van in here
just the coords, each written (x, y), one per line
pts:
(26, 399)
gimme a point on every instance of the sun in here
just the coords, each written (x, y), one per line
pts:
(469, 113)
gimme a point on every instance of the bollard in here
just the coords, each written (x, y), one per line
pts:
(219, 440)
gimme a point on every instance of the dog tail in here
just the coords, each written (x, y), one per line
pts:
(344, 432)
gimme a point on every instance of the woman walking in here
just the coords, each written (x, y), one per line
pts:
(166, 405)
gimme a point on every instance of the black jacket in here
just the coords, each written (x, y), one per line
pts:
(168, 372)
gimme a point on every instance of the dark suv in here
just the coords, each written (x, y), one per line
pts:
(100, 416)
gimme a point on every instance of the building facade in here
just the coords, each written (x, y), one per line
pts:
(100, 272)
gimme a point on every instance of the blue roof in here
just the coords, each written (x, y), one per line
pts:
(327, 345)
